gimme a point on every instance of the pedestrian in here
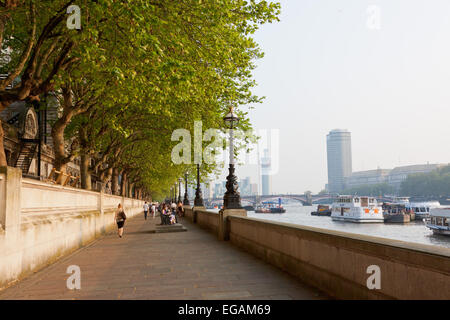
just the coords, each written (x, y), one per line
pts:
(180, 209)
(145, 210)
(153, 210)
(120, 218)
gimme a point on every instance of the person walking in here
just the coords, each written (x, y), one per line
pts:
(120, 218)
(180, 209)
(153, 210)
(145, 210)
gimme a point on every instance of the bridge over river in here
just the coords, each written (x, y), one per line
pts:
(308, 200)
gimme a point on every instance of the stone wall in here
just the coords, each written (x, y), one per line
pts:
(338, 262)
(42, 222)
(208, 220)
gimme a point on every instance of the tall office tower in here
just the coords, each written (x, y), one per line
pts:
(265, 174)
(339, 156)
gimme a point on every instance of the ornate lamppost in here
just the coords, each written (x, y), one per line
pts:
(175, 192)
(198, 201)
(232, 198)
(186, 197)
(179, 190)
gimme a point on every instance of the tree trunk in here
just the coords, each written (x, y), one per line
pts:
(123, 187)
(3, 162)
(58, 148)
(86, 182)
(131, 190)
(105, 177)
(58, 132)
(115, 181)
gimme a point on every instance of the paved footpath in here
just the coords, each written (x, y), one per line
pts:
(179, 265)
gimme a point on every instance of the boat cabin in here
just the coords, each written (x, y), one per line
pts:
(357, 201)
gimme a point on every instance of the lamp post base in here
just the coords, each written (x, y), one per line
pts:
(232, 198)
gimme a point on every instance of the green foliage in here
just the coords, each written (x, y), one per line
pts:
(139, 70)
(435, 183)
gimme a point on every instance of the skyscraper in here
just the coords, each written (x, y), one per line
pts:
(265, 174)
(339, 156)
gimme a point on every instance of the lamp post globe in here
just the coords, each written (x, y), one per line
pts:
(232, 198)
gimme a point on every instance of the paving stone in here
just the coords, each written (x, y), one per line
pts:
(161, 266)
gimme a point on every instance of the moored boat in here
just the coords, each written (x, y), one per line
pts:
(357, 209)
(322, 210)
(261, 209)
(422, 209)
(439, 221)
(277, 210)
(395, 213)
(270, 207)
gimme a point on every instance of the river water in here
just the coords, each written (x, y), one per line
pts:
(411, 232)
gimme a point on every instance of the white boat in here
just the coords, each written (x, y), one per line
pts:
(439, 220)
(357, 209)
(422, 209)
(401, 200)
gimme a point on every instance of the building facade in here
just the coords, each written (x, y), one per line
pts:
(392, 177)
(266, 179)
(339, 159)
(370, 177)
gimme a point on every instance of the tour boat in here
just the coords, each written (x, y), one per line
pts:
(439, 221)
(357, 209)
(422, 209)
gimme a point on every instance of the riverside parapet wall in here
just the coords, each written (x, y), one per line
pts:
(338, 262)
(41, 222)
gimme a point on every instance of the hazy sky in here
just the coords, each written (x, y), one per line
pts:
(324, 68)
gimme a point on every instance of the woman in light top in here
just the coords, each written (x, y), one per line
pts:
(120, 218)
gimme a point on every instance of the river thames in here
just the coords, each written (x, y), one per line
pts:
(410, 232)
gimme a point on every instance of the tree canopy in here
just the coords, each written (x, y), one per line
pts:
(135, 71)
(435, 183)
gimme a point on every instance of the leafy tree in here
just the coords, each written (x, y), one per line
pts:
(435, 183)
(136, 71)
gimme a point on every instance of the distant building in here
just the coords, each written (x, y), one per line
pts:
(244, 187)
(393, 177)
(369, 177)
(254, 189)
(399, 174)
(339, 159)
(265, 174)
